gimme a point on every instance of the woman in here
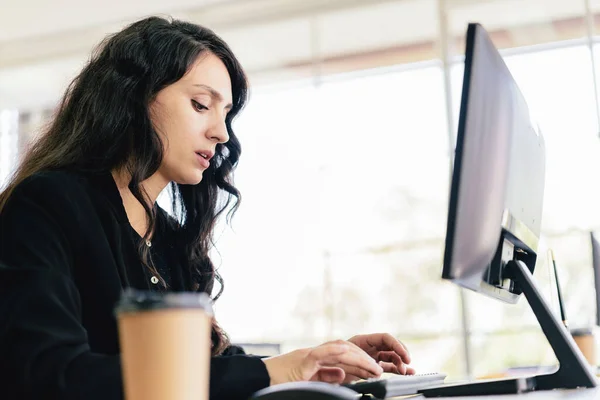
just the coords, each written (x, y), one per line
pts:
(79, 221)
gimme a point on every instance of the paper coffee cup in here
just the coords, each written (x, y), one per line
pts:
(584, 338)
(165, 341)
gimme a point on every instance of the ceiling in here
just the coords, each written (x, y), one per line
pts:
(44, 43)
(36, 18)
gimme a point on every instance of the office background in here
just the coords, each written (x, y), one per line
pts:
(346, 159)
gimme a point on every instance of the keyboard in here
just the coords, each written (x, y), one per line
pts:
(396, 385)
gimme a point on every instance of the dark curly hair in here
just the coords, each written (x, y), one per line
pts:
(103, 124)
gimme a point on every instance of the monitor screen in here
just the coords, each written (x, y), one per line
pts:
(497, 188)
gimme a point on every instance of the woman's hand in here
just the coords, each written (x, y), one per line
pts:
(329, 362)
(391, 354)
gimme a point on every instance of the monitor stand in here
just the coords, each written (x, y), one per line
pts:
(573, 370)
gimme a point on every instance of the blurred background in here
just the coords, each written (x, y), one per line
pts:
(346, 159)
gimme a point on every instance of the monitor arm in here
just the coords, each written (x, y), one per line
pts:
(573, 370)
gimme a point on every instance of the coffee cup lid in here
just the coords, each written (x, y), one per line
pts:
(584, 331)
(137, 300)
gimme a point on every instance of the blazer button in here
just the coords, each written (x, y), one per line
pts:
(154, 280)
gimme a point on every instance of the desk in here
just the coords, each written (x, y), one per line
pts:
(574, 394)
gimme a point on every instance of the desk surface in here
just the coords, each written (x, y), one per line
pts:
(575, 394)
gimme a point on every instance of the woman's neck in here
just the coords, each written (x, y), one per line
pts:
(135, 211)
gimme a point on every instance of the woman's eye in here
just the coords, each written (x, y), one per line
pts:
(198, 107)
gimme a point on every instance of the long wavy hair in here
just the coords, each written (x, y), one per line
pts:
(103, 124)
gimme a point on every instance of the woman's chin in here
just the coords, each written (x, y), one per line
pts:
(191, 179)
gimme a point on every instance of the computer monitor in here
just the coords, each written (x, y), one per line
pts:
(495, 211)
(497, 190)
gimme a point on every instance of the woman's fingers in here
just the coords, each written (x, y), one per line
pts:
(386, 342)
(390, 368)
(361, 373)
(394, 358)
(326, 354)
(342, 355)
(333, 362)
(330, 375)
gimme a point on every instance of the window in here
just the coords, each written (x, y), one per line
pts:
(343, 216)
(9, 123)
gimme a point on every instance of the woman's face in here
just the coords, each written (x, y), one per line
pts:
(189, 115)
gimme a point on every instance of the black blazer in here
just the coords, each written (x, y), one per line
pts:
(67, 253)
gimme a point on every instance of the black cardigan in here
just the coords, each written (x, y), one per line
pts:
(67, 253)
